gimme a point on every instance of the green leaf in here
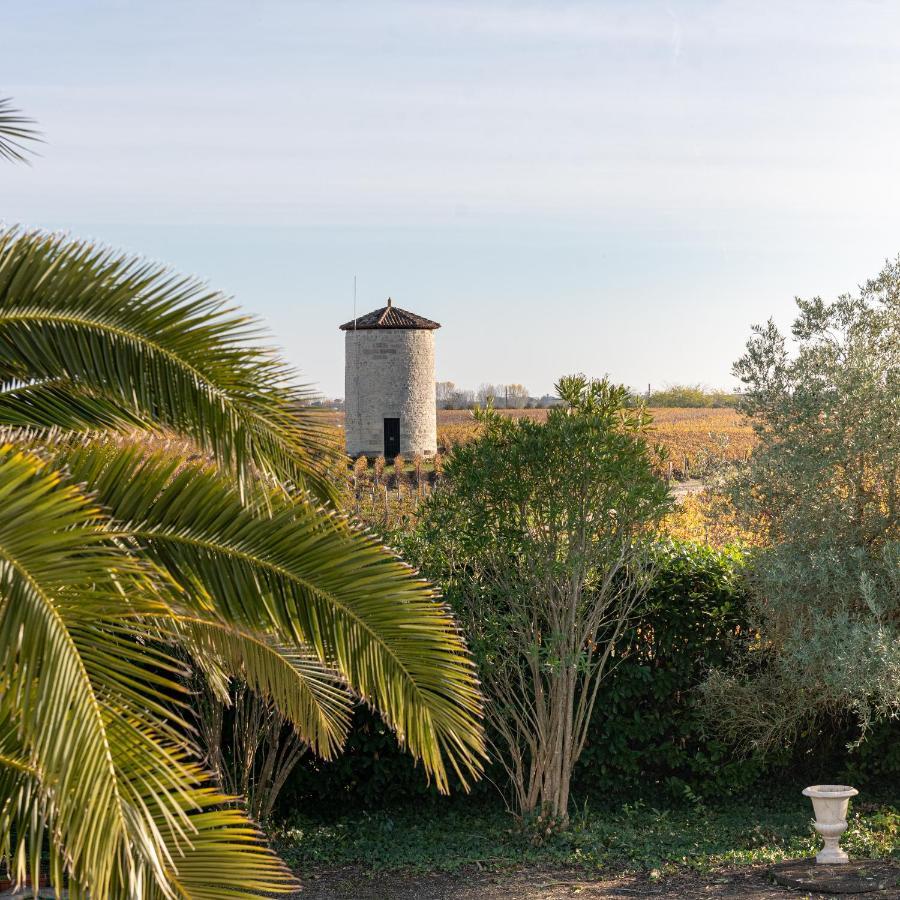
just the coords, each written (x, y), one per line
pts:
(15, 130)
(311, 696)
(90, 339)
(90, 751)
(285, 567)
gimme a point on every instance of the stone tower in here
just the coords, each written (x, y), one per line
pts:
(389, 393)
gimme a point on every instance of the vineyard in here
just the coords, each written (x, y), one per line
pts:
(693, 438)
(386, 494)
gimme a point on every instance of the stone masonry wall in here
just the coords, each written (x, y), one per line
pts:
(389, 373)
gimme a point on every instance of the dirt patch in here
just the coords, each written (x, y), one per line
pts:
(749, 883)
(866, 876)
(683, 489)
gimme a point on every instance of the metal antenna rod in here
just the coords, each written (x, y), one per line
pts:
(356, 373)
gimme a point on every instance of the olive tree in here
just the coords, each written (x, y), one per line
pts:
(541, 534)
(823, 488)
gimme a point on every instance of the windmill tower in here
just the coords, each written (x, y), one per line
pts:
(389, 392)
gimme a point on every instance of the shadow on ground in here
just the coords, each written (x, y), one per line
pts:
(751, 883)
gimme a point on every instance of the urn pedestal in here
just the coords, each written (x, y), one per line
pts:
(830, 803)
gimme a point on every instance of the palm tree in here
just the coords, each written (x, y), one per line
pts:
(15, 131)
(164, 497)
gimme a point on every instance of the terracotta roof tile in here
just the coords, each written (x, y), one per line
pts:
(389, 316)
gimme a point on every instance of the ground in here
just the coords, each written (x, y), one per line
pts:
(454, 850)
(356, 883)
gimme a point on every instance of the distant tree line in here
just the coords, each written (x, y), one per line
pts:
(690, 395)
(516, 396)
(500, 396)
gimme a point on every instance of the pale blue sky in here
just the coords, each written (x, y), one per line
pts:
(617, 188)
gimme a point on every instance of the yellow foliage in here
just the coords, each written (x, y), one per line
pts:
(692, 438)
(708, 519)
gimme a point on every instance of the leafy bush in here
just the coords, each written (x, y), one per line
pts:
(373, 771)
(647, 731)
(646, 734)
(542, 536)
(822, 488)
(876, 761)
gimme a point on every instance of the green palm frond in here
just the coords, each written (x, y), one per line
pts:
(15, 131)
(309, 695)
(91, 751)
(90, 339)
(161, 500)
(61, 549)
(283, 566)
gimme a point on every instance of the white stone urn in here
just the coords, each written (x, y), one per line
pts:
(830, 806)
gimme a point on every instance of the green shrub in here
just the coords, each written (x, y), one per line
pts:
(372, 772)
(876, 761)
(541, 536)
(647, 732)
(822, 492)
(647, 735)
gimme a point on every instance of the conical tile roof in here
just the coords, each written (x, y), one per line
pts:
(389, 316)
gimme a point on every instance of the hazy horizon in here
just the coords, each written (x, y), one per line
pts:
(564, 186)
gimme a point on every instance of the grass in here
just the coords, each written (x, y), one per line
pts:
(635, 837)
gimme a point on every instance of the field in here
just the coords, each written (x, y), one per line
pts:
(693, 438)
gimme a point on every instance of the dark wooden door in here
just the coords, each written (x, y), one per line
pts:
(391, 438)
